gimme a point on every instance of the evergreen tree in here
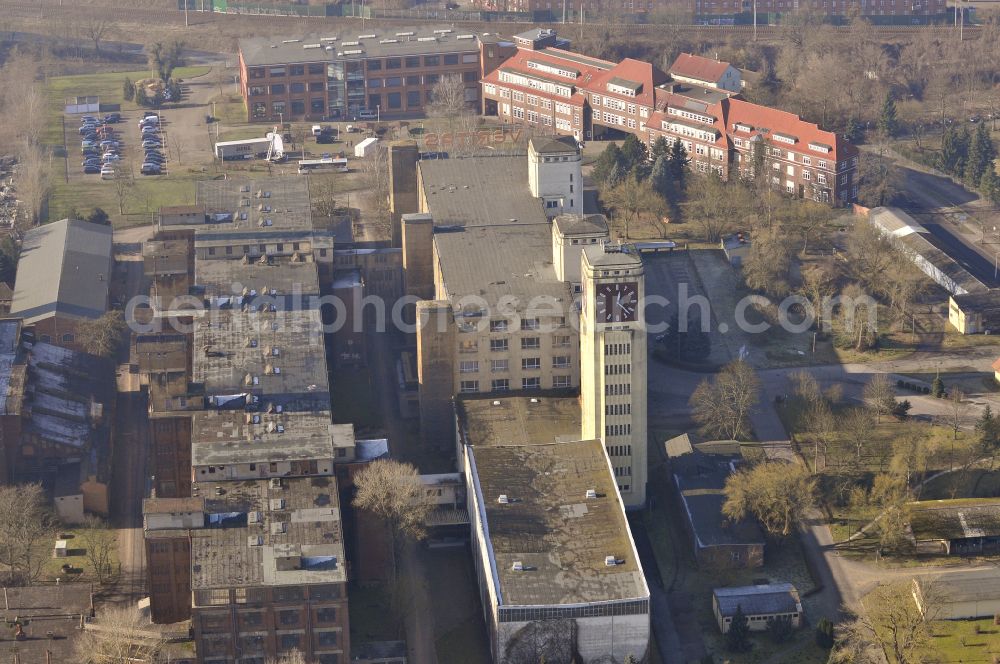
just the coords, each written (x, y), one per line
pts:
(738, 636)
(854, 131)
(128, 90)
(982, 153)
(824, 633)
(937, 387)
(616, 176)
(989, 186)
(888, 122)
(9, 254)
(660, 148)
(779, 629)
(662, 180)
(678, 163)
(634, 154)
(954, 150)
(611, 157)
(988, 429)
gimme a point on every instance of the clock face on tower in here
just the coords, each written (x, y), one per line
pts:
(617, 303)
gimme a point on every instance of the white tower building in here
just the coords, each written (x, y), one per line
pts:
(613, 362)
(555, 174)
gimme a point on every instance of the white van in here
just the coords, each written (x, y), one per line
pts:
(317, 130)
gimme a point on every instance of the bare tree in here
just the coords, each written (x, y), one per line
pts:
(632, 198)
(448, 99)
(716, 207)
(393, 492)
(120, 634)
(95, 28)
(32, 185)
(123, 182)
(26, 525)
(376, 177)
(880, 396)
(722, 407)
(100, 542)
(857, 425)
(776, 493)
(293, 657)
(893, 620)
(958, 409)
(177, 143)
(103, 336)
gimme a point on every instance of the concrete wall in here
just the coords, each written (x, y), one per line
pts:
(418, 255)
(566, 252)
(70, 508)
(435, 369)
(403, 198)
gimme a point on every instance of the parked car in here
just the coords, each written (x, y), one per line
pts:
(91, 169)
(150, 143)
(154, 159)
(151, 114)
(109, 143)
(86, 129)
(150, 169)
(87, 143)
(149, 120)
(149, 131)
(110, 157)
(113, 117)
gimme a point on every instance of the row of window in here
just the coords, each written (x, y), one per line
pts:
(617, 349)
(472, 345)
(617, 389)
(619, 450)
(503, 384)
(279, 594)
(617, 369)
(618, 409)
(617, 429)
(258, 109)
(213, 622)
(623, 471)
(527, 363)
(414, 61)
(278, 71)
(426, 79)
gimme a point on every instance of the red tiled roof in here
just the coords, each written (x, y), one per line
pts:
(655, 123)
(996, 365)
(698, 68)
(783, 122)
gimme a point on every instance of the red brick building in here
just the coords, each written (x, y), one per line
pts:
(384, 73)
(552, 90)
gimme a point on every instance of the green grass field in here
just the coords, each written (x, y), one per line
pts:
(143, 199)
(957, 641)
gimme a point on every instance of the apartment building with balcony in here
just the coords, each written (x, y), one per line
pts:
(384, 73)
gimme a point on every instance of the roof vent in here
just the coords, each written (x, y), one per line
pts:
(534, 400)
(611, 561)
(496, 402)
(518, 566)
(275, 482)
(591, 493)
(503, 499)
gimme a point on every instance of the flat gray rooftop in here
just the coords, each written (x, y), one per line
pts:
(258, 535)
(373, 42)
(269, 205)
(503, 261)
(963, 586)
(278, 356)
(227, 437)
(559, 535)
(519, 420)
(480, 191)
(223, 278)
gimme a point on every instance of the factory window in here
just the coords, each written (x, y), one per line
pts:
(500, 385)
(432, 60)
(395, 100)
(498, 326)
(413, 80)
(394, 82)
(560, 362)
(451, 59)
(499, 366)
(469, 386)
(289, 617)
(412, 61)
(290, 641)
(327, 639)
(498, 344)
(531, 343)
(297, 88)
(393, 63)
(413, 98)
(529, 323)
(530, 363)
(560, 381)
(533, 383)
(67, 338)
(561, 341)
(316, 68)
(296, 70)
(328, 614)
(374, 65)
(278, 89)
(468, 366)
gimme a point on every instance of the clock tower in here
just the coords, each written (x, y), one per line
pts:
(613, 362)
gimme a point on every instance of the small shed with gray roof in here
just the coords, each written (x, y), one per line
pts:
(760, 604)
